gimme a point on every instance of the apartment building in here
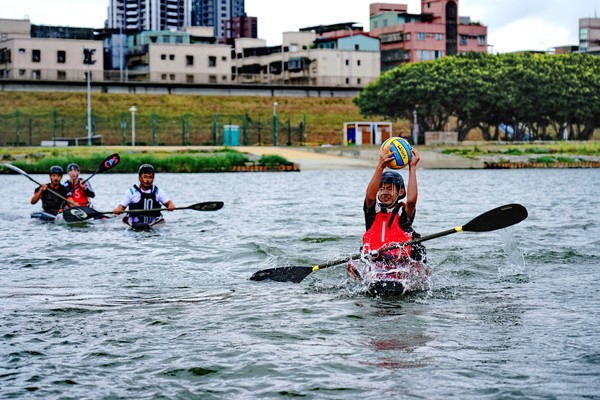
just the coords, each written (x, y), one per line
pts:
(151, 15)
(589, 35)
(436, 32)
(316, 56)
(45, 58)
(227, 17)
(171, 57)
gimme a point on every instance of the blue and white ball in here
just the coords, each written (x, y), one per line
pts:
(400, 149)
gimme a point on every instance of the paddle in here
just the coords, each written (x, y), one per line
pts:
(20, 171)
(497, 218)
(106, 164)
(74, 214)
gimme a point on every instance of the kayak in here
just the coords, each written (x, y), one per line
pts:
(44, 216)
(141, 226)
(388, 279)
(57, 219)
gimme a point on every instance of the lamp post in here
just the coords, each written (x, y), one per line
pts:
(415, 127)
(87, 60)
(275, 123)
(133, 110)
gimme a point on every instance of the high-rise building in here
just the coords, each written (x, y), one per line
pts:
(218, 14)
(148, 15)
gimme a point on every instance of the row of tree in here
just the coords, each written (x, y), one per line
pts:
(530, 96)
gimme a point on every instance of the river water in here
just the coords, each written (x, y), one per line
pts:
(102, 312)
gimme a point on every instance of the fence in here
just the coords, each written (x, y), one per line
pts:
(21, 129)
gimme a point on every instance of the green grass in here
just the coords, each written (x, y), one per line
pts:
(325, 116)
(39, 161)
(591, 148)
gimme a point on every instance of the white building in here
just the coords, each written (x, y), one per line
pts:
(27, 58)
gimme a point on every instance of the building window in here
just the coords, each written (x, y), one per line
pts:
(358, 62)
(463, 40)
(420, 36)
(347, 81)
(224, 58)
(212, 61)
(36, 74)
(189, 60)
(356, 47)
(172, 77)
(61, 56)
(375, 25)
(21, 50)
(212, 79)
(36, 56)
(358, 81)
(172, 57)
(22, 72)
(61, 75)
(583, 35)
(163, 77)
(347, 62)
(481, 40)
(163, 56)
(189, 79)
(439, 36)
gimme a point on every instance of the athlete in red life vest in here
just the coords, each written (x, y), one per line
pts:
(389, 220)
(80, 192)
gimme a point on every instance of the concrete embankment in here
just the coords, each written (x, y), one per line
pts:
(311, 158)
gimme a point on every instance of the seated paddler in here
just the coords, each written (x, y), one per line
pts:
(144, 196)
(388, 219)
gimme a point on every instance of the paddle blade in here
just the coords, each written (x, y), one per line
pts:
(283, 274)
(16, 169)
(498, 218)
(207, 206)
(75, 214)
(109, 162)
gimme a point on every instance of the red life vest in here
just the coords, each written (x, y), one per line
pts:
(383, 233)
(78, 195)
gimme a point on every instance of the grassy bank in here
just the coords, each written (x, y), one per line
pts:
(325, 117)
(39, 160)
(508, 149)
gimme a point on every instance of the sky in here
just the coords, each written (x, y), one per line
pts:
(512, 24)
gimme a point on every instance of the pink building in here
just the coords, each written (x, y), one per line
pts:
(436, 32)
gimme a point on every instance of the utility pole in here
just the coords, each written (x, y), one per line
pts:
(87, 60)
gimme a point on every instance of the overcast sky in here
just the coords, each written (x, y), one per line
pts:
(512, 24)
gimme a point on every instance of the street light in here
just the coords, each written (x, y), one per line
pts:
(275, 123)
(415, 127)
(133, 110)
(87, 60)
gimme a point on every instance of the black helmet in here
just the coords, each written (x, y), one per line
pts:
(395, 178)
(146, 168)
(56, 169)
(73, 166)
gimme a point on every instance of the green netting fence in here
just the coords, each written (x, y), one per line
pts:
(27, 129)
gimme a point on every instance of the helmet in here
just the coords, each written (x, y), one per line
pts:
(56, 169)
(395, 178)
(146, 168)
(73, 166)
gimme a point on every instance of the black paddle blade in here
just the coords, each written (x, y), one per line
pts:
(75, 214)
(283, 274)
(207, 206)
(498, 218)
(109, 162)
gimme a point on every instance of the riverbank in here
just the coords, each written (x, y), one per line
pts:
(471, 155)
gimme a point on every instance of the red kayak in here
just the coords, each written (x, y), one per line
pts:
(381, 278)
